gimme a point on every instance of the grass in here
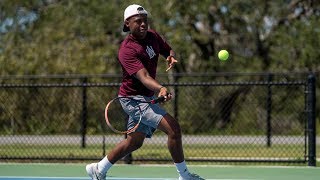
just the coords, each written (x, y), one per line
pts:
(293, 152)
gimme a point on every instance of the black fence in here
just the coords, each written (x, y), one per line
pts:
(225, 118)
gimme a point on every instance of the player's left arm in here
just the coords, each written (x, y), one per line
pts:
(171, 60)
(166, 51)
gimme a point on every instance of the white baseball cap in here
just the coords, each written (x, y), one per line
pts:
(130, 11)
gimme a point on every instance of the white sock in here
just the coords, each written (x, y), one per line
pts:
(182, 168)
(104, 165)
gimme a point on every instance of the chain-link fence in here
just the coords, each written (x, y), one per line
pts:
(267, 118)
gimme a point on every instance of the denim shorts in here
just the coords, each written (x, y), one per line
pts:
(151, 114)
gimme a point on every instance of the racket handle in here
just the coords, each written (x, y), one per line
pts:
(159, 99)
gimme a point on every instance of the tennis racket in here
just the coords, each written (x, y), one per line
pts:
(117, 118)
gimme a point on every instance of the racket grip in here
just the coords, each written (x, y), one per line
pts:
(159, 99)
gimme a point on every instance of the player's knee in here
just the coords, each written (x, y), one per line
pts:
(135, 144)
(135, 140)
(176, 133)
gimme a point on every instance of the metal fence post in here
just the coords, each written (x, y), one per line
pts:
(176, 94)
(84, 113)
(311, 104)
(269, 107)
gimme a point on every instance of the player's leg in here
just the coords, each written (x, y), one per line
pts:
(171, 127)
(133, 142)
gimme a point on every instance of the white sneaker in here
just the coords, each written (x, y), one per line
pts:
(92, 170)
(191, 176)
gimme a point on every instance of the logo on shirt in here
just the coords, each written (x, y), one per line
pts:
(150, 52)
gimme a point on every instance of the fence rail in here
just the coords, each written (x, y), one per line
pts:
(268, 118)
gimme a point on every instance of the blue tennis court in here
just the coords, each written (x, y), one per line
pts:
(61, 171)
(74, 178)
(80, 178)
(40, 178)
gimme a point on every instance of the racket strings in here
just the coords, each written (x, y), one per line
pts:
(117, 117)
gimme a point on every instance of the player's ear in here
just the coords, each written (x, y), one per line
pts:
(126, 23)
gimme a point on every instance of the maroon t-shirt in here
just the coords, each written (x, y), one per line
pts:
(137, 54)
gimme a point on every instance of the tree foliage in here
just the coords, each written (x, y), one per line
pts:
(42, 37)
(67, 37)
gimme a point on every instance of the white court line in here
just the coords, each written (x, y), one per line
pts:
(30, 177)
(79, 178)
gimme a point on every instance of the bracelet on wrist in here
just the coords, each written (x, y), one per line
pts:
(161, 87)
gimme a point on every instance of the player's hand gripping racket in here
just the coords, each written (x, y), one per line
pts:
(117, 118)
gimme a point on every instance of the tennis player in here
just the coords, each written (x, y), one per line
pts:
(138, 56)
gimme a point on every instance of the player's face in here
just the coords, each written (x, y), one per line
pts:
(138, 26)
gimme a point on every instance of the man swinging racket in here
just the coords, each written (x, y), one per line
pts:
(138, 56)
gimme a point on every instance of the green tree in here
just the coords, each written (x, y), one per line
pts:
(82, 37)
(65, 37)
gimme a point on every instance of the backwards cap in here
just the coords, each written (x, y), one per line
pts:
(130, 11)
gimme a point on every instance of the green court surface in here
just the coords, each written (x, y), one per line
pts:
(25, 171)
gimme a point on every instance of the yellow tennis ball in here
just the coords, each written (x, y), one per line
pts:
(223, 55)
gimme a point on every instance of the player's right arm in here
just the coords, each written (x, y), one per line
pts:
(143, 76)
